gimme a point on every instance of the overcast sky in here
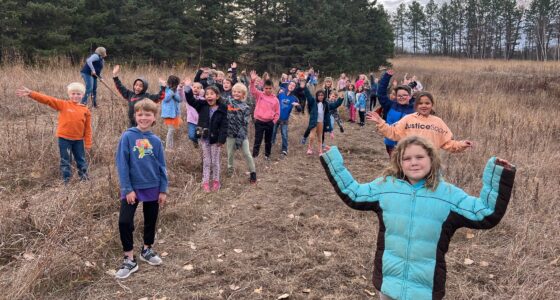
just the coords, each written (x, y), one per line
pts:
(390, 5)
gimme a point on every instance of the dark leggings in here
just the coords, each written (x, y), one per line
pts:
(126, 223)
(263, 129)
(372, 101)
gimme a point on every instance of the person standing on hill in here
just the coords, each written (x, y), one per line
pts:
(90, 72)
(267, 113)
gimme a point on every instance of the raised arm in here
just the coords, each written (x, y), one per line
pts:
(357, 196)
(382, 90)
(48, 100)
(191, 100)
(487, 210)
(234, 72)
(254, 91)
(394, 132)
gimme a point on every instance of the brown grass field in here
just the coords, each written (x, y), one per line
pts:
(60, 242)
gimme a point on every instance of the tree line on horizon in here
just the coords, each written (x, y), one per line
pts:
(271, 35)
(479, 29)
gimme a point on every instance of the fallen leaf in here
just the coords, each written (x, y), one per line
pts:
(315, 217)
(143, 298)
(161, 242)
(188, 267)
(89, 264)
(364, 277)
(468, 261)
(159, 230)
(220, 255)
(307, 291)
(162, 298)
(233, 206)
(192, 245)
(164, 254)
(291, 216)
(491, 276)
(219, 260)
(554, 262)
(233, 287)
(327, 253)
(237, 250)
(258, 291)
(370, 293)
(484, 264)
(221, 291)
(470, 235)
(283, 296)
(213, 272)
(28, 256)
(310, 242)
(336, 232)
(111, 272)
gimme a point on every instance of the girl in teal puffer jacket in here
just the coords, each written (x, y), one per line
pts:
(418, 213)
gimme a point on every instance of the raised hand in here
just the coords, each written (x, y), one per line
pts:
(373, 116)
(504, 163)
(187, 81)
(253, 75)
(23, 92)
(391, 72)
(162, 82)
(468, 144)
(116, 70)
(234, 65)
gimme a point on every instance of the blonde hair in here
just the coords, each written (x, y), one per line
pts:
(240, 87)
(76, 87)
(146, 105)
(395, 169)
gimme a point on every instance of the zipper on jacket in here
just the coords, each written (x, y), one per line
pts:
(407, 263)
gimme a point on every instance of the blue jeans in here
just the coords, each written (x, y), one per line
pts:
(91, 88)
(192, 132)
(284, 131)
(69, 148)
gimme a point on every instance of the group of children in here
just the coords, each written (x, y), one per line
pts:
(418, 211)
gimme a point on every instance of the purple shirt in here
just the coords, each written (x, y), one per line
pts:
(145, 195)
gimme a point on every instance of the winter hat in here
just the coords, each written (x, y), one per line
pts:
(76, 87)
(101, 51)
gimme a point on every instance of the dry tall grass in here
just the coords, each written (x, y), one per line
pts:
(49, 231)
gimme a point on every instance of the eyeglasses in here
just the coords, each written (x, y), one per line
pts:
(402, 96)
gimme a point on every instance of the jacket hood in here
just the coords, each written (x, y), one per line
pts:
(144, 81)
(138, 131)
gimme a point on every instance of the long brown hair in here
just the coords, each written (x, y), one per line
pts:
(395, 169)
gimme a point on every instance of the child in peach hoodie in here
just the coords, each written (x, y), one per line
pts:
(422, 123)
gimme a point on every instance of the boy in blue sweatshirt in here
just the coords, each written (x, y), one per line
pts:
(287, 100)
(142, 172)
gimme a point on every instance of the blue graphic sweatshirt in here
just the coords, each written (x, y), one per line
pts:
(141, 161)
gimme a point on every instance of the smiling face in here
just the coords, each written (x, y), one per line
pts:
(424, 106)
(403, 97)
(416, 163)
(227, 85)
(138, 86)
(291, 86)
(196, 88)
(144, 119)
(267, 90)
(75, 96)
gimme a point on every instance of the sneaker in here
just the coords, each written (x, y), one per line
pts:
(253, 178)
(341, 129)
(303, 140)
(206, 187)
(229, 172)
(309, 151)
(215, 185)
(150, 256)
(267, 158)
(195, 144)
(285, 153)
(128, 267)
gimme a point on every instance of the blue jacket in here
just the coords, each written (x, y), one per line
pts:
(170, 104)
(361, 103)
(141, 161)
(416, 224)
(96, 61)
(286, 102)
(393, 111)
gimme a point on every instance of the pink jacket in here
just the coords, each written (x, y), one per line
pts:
(267, 108)
(192, 115)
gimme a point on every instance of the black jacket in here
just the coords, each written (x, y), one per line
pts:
(217, 125)
(132, 97)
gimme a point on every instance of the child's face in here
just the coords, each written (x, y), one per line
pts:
(424, 106)
(138, 86)
(416, 163)
(238, 95)
(196, 89)
(211, 97)
(403, 97)
(144, 119)
(328, 84)
(75, 96)
(333, 96)
(220, 77)
(291, 87)
(227, 85)
(321, 97)
(267, 90)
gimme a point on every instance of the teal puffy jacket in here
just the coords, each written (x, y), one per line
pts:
(416, 224)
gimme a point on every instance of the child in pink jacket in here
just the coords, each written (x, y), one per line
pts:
(267, 113)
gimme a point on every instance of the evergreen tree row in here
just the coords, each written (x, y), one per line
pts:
(333, 36)
(480, 28)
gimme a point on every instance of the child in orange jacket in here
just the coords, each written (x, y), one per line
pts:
(73, 130)
(422, 123)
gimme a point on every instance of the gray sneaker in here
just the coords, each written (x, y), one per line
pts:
(150, 256)
(128, 267)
